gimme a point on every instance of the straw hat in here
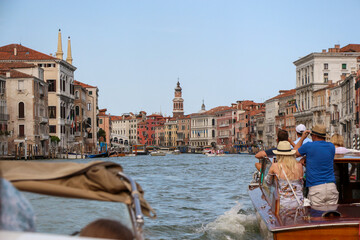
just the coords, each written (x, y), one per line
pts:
(284, 148)
(319, 130)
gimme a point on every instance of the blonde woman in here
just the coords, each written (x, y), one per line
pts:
(289, 173)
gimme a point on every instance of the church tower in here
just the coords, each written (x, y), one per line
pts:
(59, 52)
(178, 107)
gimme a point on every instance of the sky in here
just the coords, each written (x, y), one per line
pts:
(221, 51)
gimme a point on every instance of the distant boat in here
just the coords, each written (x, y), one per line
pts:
(176, 152)
(99, 155)
(157, 153)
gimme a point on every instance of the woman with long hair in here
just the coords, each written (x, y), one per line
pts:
(289, 173)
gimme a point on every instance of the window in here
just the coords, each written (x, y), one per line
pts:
(100, 120)
(52, 85)
(343, 66)
(89, 106)
(21, 85)
(21, 130)
(52, 111)
(326, 66)
(90, 92)
(77, 111)
(76, 94)
(52, 129)
(21, 110)
(326, 77)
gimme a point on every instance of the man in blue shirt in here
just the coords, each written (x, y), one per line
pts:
(320, 178)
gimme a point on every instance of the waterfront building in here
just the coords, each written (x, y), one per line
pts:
(183, 130)
(271, 111)
(160, 134)
(334, 108)
(104, 125)
(119, 138)
(315, 70)
(146, 129)
(347, 118)
(203, 128)
(320, 113)
(170, 128)
(225, 127)
(80, 122)
(178, 102)
(4, 117)
(59, 75)
(357, 108)
(91, 111)
(27, 105)
(285, 118)
(259, 123)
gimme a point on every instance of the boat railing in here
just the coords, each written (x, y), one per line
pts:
(139, 217)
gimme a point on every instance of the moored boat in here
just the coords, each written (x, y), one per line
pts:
(99, 155)
(340, 221)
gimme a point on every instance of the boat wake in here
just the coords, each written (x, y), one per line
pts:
(234, 224)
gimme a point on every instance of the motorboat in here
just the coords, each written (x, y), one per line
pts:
(340, 221)
(98, 180)
(176, 152)
(98, 155)
(158, 153)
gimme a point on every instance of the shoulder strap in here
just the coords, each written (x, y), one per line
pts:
(292, 189)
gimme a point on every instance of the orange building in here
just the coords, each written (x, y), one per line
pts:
(104, 124)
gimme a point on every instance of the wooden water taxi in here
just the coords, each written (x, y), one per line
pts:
(340, 221)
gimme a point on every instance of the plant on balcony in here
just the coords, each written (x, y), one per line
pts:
(54, 139)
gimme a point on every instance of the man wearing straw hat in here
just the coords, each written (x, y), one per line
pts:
(320, 178)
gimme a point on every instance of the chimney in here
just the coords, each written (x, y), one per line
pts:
(15, 51)
(8, 73)
(337, 46)
(324, 51)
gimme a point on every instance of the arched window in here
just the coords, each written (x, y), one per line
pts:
(21, 110)
(76, 94)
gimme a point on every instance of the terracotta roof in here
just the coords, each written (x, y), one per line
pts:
(22, 53)
(155, 115)
(83, 84)
(286, 93)
(15, 74)
(10, 65)
(351, 48)
(255, 112)
(216, 109)
(116, 118)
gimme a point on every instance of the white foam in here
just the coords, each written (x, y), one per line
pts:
(231, 222)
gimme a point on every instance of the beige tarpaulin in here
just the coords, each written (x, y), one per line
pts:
(95, 180)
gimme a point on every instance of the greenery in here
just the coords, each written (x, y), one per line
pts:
(101, 133)
(54, 139)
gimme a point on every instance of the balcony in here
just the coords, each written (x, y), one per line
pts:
(44, 120)
(224, 125)
(224, 136)
(4, 117)
(318, 109)
(77, 134)
(44, 136)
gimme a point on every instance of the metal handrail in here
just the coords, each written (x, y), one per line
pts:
(135, 194)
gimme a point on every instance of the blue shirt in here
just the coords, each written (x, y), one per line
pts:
(319, 162)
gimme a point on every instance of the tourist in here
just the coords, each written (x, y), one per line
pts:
(299, 131)
(16, 213)
(281, 136)
(106, 228)
(320, 178)
(289, 173)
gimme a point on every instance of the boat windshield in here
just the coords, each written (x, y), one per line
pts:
(74, 214)
(268, 189)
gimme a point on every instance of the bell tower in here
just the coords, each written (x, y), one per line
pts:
(178, 102)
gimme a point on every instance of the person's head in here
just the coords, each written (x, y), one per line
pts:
(300, 129)
(318, 133)
(286, 157)
(282, 135)
(106, 228)
(337, 140)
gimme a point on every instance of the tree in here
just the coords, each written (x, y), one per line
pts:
(101, 133)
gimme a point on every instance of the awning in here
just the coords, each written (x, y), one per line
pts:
(95, 180)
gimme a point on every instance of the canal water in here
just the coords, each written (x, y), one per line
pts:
(195, 197)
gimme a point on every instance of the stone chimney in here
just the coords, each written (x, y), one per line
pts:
(15, 51)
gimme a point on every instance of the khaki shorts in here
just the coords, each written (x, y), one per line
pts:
(323, 194)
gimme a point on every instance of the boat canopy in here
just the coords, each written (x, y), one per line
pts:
(96, 181)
